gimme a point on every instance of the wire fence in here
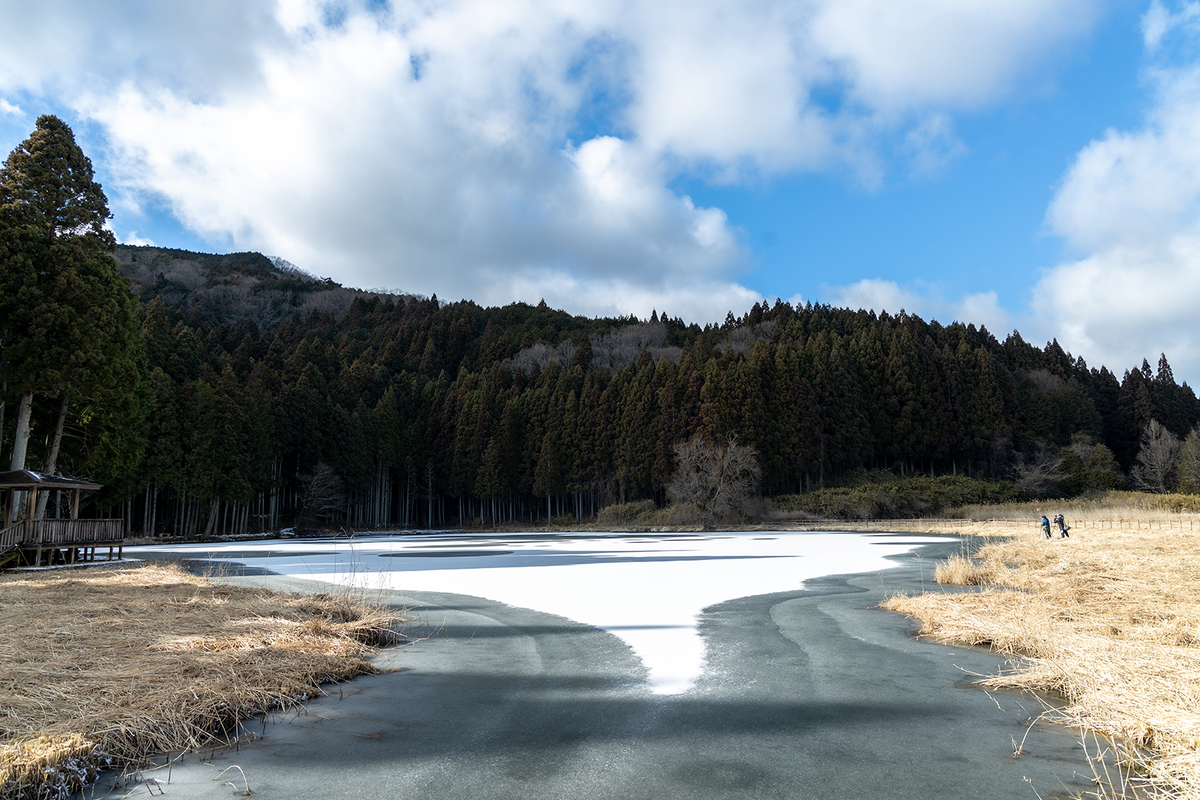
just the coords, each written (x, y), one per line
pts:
(947, 525)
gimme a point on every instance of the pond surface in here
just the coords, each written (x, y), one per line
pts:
(649, 590)
(615, 667)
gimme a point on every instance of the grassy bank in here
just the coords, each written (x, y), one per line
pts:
(106, 666)
(890, 497)
(1111, 505)
(1108, 619)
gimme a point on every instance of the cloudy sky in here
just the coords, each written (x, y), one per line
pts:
(1027, 164)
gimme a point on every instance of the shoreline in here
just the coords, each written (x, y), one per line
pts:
(668, 579)
(105, 667)
(978, 535)
(1013, 522)
(500, 701)
(1107, 619)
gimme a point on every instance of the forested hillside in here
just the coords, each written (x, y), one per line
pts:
(275, 397)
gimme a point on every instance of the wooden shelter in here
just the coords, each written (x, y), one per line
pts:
(37, 542)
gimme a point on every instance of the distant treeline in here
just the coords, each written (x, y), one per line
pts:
(276, 398)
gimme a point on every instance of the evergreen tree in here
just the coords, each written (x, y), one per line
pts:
(820, 393)
(1088, 467)
(71, 330)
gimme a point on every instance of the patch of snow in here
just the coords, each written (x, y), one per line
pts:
(649, 590)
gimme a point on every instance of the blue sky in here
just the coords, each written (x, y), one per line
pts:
(975, 224)
(1027, 164)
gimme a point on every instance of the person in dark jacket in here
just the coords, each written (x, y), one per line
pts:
(1046, 525)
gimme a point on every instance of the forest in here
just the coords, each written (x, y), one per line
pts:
(243, 394)
(366, 410)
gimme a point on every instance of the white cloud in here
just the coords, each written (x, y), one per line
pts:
(60, 47)
(1158, 22)
(874, 294)
(720, 83)
(933, 145)
(1126, 303)
(981, 309)
(699, 301)
(128, 238)
(1155, 24)
(452, 147)
(8, 108)
(899, 55)
(1137, 186)
(359, 171)
(750, 84)
(133, 239)
(1130, 206)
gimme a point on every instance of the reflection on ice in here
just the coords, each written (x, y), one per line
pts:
(648, 590)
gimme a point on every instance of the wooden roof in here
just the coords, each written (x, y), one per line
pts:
(28, 479)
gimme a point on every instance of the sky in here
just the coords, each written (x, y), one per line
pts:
(1017, 164)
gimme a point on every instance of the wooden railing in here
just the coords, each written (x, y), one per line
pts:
(61, 532)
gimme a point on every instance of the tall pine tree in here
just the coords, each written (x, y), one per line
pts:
(71, 334)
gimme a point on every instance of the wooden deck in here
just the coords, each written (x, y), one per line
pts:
(42, 542)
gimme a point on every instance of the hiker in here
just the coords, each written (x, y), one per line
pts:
(1063, 527)
(1046, 525)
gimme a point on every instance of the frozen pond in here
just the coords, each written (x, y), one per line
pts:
(660, 667)
(646, 589)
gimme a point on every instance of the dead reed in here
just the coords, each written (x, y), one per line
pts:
(106, 666)
(1107, 619)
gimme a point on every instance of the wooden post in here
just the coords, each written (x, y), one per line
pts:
(75, 505)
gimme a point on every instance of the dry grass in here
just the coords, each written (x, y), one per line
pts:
(1108, 619)
(108, 666)
(1108, 506)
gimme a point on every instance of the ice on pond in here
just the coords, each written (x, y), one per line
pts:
(647, 589)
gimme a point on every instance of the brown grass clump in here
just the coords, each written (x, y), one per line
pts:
(963, 571)
(107, 666)
(1107, 619)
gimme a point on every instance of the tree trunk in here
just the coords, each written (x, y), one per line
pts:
(212, 516)
(181, 514)
(52, 458)
(3, 384)
(21, 434)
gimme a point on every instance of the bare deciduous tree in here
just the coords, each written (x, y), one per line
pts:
(721, 480)
(1155, 470)
(320, 493)
(1189, 463)
(1047, 381)
(741, 339)
(542, 354)
(1038, 472)
(622, 346)
(611, 350)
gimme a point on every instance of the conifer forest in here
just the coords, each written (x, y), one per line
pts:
(236, 393)
(262, 383)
